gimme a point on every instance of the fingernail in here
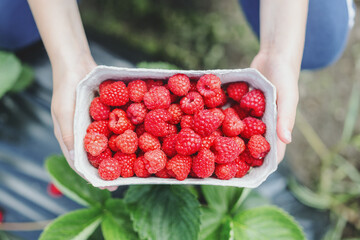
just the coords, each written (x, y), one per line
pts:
(71, 154)
(287, 135)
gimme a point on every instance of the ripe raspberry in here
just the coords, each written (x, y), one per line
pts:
(188, 142)
(208, 85)
(155, 160)
(51, 189)
(179, 84)
(232, 125)
(140, 129)
(162, 174)
(187, 121)
(219, 113)
(168, 145)
(112, 143)
(176, 113)
(172, 129)
(95, 161)
(245, 156)
(258, 146)
(208, 141)
(174, 98)
(127, 142)
(226, 149)
(179, 167)
(157, 97)
(98, 110)
(99, 127)
(193, 87)
(109, 169)
(242, 167)
(148, 142)
(253, 126)
(136, 113)
(140, 169)
(204, 163)
(192, 103)
(240, 143)
(115, 94)
(118, 122)
(126, 163)
(104, 84)
(205, 122)
(193, 175)
(257, 162)
(156, 122)
(218, 100)
(254, 102)
(150, 83)
(137, 90)
(226, 171)
(95, 143)
(237, 90)
(242, 113)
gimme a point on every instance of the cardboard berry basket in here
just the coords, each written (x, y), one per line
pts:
(87, 89)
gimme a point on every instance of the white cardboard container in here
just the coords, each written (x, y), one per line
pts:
(87, 89)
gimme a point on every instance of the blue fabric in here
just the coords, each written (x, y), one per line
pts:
(327, 30)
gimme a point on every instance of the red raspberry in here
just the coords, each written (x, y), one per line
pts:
(168, 145)
(208, 85)
(237, 90)
(99, 127)
(257, 162)
(95, 143)
(127, 142)
(150, 83)
(176, 113)
(136, 113)
(219, 113)
(204, 163)
(157, 97)
(174, 98)
(179, 167)
(193, 87)
(148, 142)
(140, 169)
(140, 129)
(208, 141)
(253, 126)
(137, 90)
(155, 160)
(162, 174)
(245, 156)
(118, 122)
(109, 169)
(258, 146)
(156, 122)
(172, 129)
(187, 121)
(205, 122)
(254, 102)
(226, 171)
(112, 143)
(242, 167)
(240, 143)
(232, 125)
(188, 142)
(218, 100)
(126, 163)
(192, 103)
(242, 113)
(115, 94)
(95, 161)
(104, 84)
(51, 189)
(226, 149)
(179, 84)
(98, 110)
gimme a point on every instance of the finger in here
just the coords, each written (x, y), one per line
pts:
(280, 150)
(110, 188)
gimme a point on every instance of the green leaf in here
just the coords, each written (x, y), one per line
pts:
(117, 223)
(79, 224)
(266, 223)
(10, 69)
(164, 212)
(156, 65)
(227, 230)
(25, 78)
(8, 236)
(215, 226)
(72, 185)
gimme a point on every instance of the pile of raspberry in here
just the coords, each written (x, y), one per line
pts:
(176, 129)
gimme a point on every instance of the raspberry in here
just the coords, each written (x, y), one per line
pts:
(140, 169)
(104, 84)
(192, 103)
(242, 167)
(172, 129)
(188, 142)
(237, 90)
(245, 156)
(176, 113)
(168, 145)
(257, 162)
(208, 141)
(179, 167)
(208, 85)
(179, 84)
(204, 163)
(226, 171)
(219, 113)
(99, 127)
(127, 142)
(51, 189)
(187, 121)
(148, 142)
(115, 94)
(258, 146)
(254, 102)
(98, 110)
(218, 100)
(96, 160)
(112, 143)
(155, 160)
(136, 113)
(253, 126)
(137, 90)
(109, 169)
(126, 163)
(157, 97)
(205, 122)
(232, 125)
(156, 122)
(226, 149)
(162, 174)
(150, 83)
(1, 215)
(242, 113)
(240, 143)
(95, 143)
(118, 122)
(174, 98)
(140, 129)
(193, 87)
